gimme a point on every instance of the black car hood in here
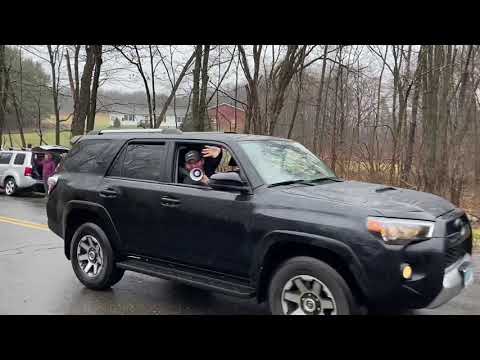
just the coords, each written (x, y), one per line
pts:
(384, 200)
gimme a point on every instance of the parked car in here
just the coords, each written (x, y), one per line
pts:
(282, 228)
(20, 170)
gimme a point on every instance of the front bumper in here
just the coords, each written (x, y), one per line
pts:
(454, 281)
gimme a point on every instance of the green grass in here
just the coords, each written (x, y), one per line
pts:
(34, 139)
(102, 121)
(476, 238)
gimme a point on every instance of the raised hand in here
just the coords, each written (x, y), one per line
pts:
(211, 151)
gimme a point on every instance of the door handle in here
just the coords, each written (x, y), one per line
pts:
(108, 193)
(168, 201)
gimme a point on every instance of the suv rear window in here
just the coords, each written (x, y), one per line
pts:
(92, 155)
(141, 161)
(19, 159)
(5, 158)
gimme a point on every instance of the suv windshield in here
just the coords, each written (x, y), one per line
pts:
(279, 161)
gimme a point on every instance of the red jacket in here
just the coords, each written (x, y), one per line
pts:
(48, 168)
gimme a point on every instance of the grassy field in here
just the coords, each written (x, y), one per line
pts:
(102, 121)
(34, 139)
(476, 238)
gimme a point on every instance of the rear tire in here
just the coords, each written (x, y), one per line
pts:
(10, 186)
(308, 286)
(93, 259)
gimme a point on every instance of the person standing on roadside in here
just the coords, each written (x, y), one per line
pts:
(48, 169)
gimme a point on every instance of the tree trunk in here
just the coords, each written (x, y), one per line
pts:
(56, 111)
(333, 151)
(236, 90)
(413, 125)
(297, 101)
(78, 126)
(39, 116)
(319, 102)
(196, 88)
(174, 90)
(154, 95)
(204, 119)
(19, 117)
(324, 115)
(2, 92)
(74, 84)
(444, 119)
(93, 98)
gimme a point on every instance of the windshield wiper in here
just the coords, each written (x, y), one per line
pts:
(304, 181)
(325, 178)
(290, 182)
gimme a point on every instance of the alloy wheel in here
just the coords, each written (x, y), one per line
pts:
(90, 255)
(306, 295)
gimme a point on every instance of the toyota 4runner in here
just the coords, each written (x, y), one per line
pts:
(274, 223)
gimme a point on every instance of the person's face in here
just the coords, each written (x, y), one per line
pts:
(192, 164)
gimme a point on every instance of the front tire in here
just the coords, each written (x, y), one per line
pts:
(10, 186)
(93, 259)
(308, 286)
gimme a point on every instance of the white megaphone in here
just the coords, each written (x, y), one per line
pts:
(196, 174)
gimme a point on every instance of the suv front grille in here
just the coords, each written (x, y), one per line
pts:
(459, 242)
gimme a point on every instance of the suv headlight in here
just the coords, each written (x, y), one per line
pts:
(400, 231)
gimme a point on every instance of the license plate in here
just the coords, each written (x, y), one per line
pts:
(468, 277)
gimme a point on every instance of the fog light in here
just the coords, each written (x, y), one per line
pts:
(406, 271)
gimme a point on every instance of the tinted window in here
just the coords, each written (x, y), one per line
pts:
(141, 161)
(5, 158)
(19, 159)
(116, 169)
(92, 155)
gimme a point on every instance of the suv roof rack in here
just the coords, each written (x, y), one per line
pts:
(129, 131)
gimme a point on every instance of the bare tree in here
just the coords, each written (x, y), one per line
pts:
(174, 82)
(97, 54)
(132, 54)
(3, 92)
(55, 60)
(81, 89)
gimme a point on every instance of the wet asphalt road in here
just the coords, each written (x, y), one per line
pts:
(36, 278)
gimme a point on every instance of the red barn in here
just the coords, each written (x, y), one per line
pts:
(223, 118)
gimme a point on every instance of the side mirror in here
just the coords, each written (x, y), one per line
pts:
(229, 181)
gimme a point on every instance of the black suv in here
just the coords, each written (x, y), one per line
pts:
(274, 223)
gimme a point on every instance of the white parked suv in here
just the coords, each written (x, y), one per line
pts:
(20, 170)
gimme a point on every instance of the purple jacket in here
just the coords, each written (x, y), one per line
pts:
(48, 168)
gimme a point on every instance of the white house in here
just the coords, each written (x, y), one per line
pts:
(127, 119)
(133, 116)
(170, 115)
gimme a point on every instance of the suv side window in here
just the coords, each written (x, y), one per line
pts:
(19, 159)
(142, 161)
(227, 162)
(5, 158)
(91, 156)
